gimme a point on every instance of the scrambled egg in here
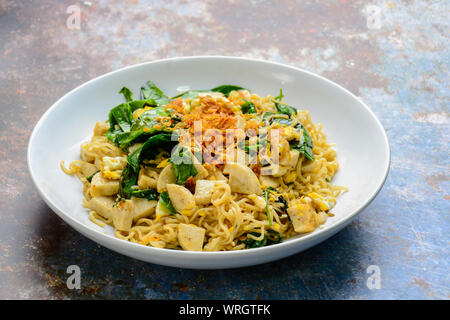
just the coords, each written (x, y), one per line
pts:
(323, 203)
(290, 133)
(112, 167)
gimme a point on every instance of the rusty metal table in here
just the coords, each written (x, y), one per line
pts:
(394, 55)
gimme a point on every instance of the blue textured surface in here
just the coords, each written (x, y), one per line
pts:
(399, 67)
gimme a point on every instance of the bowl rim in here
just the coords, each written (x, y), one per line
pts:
(94, 234)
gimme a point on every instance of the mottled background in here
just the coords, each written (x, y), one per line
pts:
(394, 55)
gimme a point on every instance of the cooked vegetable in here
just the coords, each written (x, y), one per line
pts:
(226, 89)
(127, 93)
(122, 116)
(248, 107)
(149, 194)
(151, 91)
(285, 109)
(270, 237)
(182, 165)
(305, 145)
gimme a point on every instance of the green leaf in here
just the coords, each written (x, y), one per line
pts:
(189, 94)
(122, 116)
(148, 118)
(149, 150)
(182, 165)
(128, 179)
(280, 119)
(305, 145)
(227, 88)
(124, 139)
(270, 237)
(150, 91)
(248, 107)
(127, 93)
(166, 202)
(285, 109)
(144, 126)
(138, 104)
(149, 194)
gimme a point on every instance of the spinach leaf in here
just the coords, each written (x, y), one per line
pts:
(248, 107)
(280, 120)
(189, 94)
(138, 104)
(127, 93)
(143, 126)
(273, 237)
(149, 194)
(182, 165)
(122, 116)
(305, 145)
(227, 88)
(148, 118)
(124, 139)
(285, 109)
(166, 202)
(150, 91)
(128, 179)
(149, 150)
(270, 237)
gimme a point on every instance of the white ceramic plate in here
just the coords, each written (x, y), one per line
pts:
(361, 144)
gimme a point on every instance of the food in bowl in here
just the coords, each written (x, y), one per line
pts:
(207, 170)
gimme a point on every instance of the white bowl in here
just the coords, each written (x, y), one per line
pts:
(361, 144)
